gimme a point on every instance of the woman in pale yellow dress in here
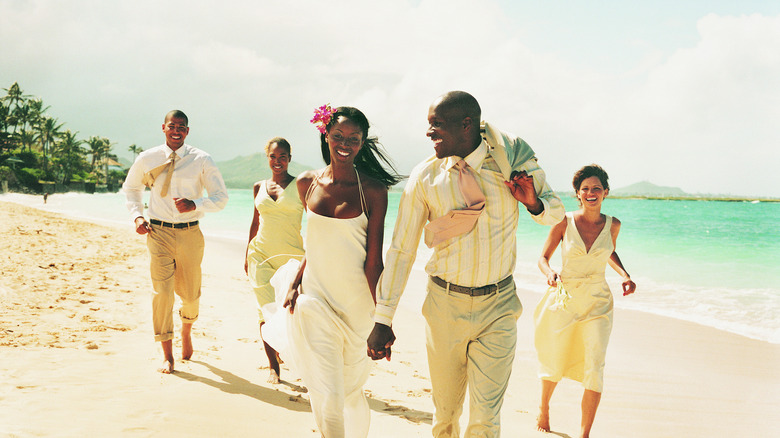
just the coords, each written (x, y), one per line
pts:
(574, 319)
(275, 234)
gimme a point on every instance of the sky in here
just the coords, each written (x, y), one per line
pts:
(679, 93)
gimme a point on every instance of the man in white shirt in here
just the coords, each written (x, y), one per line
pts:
(471, 307)
(177, 175)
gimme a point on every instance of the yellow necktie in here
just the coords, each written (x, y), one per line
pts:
(151, 176)
(458, 222)
(167, 183)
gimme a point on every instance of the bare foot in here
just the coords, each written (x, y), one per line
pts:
(273, 363)
(186, 341)
(543, 420)
(167, 347)
(167, 367)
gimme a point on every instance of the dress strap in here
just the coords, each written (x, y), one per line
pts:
(311, 187)
(363, 203)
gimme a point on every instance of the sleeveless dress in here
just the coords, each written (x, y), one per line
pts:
(571, 335)
(326, 334)
(278, 240)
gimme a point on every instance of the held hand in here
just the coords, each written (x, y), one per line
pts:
(379, 342)
(521, 185)
(628, 287)
(292, 297)
(184, 205)
(141, 226)
(553, 278)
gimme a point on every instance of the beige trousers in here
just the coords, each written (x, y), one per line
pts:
(471, 342)
(176, 255)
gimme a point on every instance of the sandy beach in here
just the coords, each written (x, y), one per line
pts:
(77, 356)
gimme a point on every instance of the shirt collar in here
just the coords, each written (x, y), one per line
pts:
(474, 159)
(182, 151)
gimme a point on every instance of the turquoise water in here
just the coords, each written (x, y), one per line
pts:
(715, 263)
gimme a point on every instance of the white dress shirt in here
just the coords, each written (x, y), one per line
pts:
(194, 171)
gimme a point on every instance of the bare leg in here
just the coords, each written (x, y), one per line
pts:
(590, 402)
(275, 374)
(543, 420)
(186, 341)
(167, 347)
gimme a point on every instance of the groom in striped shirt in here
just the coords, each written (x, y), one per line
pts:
(471, 307)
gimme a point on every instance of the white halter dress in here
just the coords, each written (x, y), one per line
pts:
(326, 334)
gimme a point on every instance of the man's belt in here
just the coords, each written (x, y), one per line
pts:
(472, 291)
(172, 225)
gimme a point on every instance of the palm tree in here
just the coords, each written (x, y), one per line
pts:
(48, 131)
(26, 138)
(99, 148)
(5, 136)
(96, 148)
(15, 99)
(69, 154)
(135, 150)
(107, 155)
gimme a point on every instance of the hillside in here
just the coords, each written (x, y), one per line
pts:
(243, 172)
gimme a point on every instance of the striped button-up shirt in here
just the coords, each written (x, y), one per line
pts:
(486, 254)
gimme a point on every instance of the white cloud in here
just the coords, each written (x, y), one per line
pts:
(247, 71)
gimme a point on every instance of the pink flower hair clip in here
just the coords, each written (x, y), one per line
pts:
(322, 117)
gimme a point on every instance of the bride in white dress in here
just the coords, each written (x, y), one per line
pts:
(332, 297)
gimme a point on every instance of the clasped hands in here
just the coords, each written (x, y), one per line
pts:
(380, 342)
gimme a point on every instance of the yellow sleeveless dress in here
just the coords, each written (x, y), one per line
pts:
(571, 335)
(278, 240)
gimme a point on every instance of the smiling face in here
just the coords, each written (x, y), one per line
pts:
(448, 131)
(591, 192)
(344, 138)
(175, 130)
(278, 159)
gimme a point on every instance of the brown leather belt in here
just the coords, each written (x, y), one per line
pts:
(473, 291)
(172, 225)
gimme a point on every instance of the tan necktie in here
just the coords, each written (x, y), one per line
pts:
(458, 222)
(151, 176)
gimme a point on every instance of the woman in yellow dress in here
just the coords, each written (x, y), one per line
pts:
(574, 319)
(275, 234)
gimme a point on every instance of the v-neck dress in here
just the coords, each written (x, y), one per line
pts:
(571, 340)
(278, 239)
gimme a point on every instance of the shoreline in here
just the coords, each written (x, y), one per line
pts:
(77, 338)
(656, 296)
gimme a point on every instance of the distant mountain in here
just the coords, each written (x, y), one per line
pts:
(243, 172)
(646, 188)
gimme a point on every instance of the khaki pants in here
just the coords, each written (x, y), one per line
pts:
(470, 341)
(176, 255)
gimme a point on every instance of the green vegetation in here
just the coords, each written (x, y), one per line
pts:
(38, 154)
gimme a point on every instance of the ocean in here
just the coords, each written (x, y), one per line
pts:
(710, 262)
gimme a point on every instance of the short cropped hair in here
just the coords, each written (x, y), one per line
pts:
(179, 114)
(587, 172)
(281, 142)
